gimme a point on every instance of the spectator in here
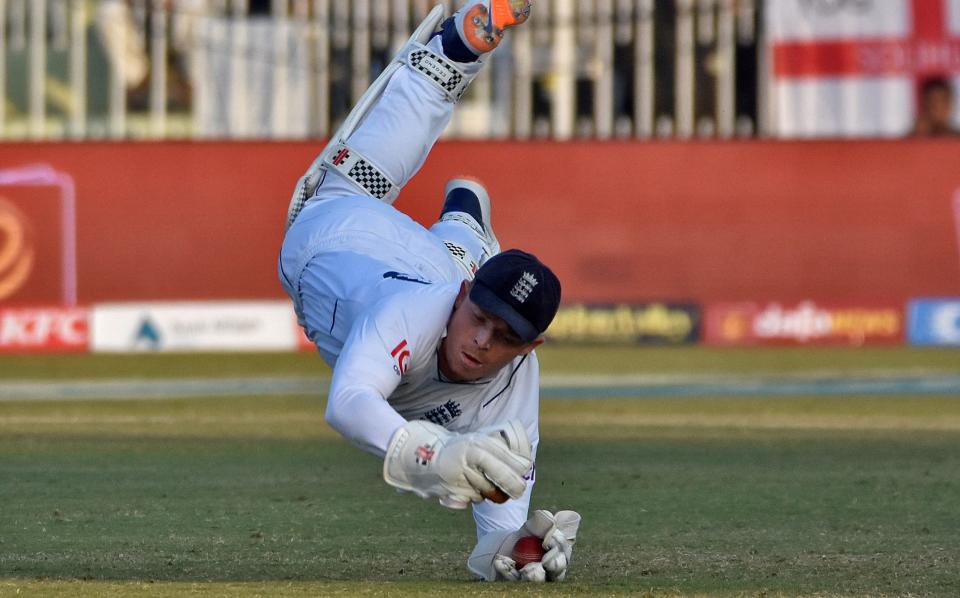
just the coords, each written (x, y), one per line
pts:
(934, 118)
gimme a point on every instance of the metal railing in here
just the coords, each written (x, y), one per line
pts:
(160, 69)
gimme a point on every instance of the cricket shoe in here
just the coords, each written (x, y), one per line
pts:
(465, 200)
(481, 24)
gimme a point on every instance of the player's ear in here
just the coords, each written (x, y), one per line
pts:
(532, 345)
(462, 295)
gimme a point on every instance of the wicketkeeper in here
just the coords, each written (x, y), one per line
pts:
(430, 333)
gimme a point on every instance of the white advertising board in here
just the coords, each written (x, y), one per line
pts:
(194, 326)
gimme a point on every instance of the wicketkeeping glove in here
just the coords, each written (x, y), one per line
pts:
(491, 559)
(431, 461)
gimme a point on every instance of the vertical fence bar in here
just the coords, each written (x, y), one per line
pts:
(564, 51)
(404, 18)
(321, 85)
(500, 107)
(280, 65)
(360, 53)
(643, 76)
(301, 68)
(340, 93)
(198, 29)
(78, 69)
(117, 92)
(3, 68)
(18, 25)
(726, 69)
(523, 83)
(400, 24)
(241, 55)
(218, 40)
(158, 69)
(379, 25)
(38, 68)
(420, 10)
(603, 82)
(449, 6)
(685, 68)
(705, 68)
(766, 107)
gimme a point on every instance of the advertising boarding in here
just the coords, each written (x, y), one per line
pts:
(37, 247)
(194, 326)
(44, 329)
(668, 323)
(804, 323)
(934, 322)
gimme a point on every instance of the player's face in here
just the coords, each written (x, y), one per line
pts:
(478, 344)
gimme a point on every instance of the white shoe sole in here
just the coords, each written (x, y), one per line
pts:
(491, 242)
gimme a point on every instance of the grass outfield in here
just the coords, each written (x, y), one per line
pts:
(700, 496)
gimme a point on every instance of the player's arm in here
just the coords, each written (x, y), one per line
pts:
(519, 402)
(362, 380)
(493, 559)
(499, 527)
(419, 456)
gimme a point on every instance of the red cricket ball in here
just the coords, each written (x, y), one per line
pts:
(528, 549)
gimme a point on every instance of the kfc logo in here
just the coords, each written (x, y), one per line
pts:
(43, 329)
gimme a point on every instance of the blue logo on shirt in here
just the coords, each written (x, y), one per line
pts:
(404, 277)
(443, 414)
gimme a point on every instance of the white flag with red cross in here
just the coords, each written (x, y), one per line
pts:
(854, 67)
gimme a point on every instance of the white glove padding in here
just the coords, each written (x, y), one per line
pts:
(559, 544)
(506, 568)
(491, 558)
(429, 460)
(514, 435)
(533, 572)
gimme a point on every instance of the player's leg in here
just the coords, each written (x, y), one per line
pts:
(465, 225)
(388, 134)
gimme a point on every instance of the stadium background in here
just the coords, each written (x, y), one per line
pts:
(658, 135)
(734, 229)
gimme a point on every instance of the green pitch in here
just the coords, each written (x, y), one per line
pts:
(700, 496)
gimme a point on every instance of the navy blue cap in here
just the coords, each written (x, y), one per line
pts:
(520, 289)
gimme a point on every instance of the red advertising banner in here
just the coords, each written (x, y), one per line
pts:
(619, 221)
(44, 329)
(37, 260)
(803, 323)
(956, 218)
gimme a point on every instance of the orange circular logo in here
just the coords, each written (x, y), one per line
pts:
(16, 249)
(734, 326)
